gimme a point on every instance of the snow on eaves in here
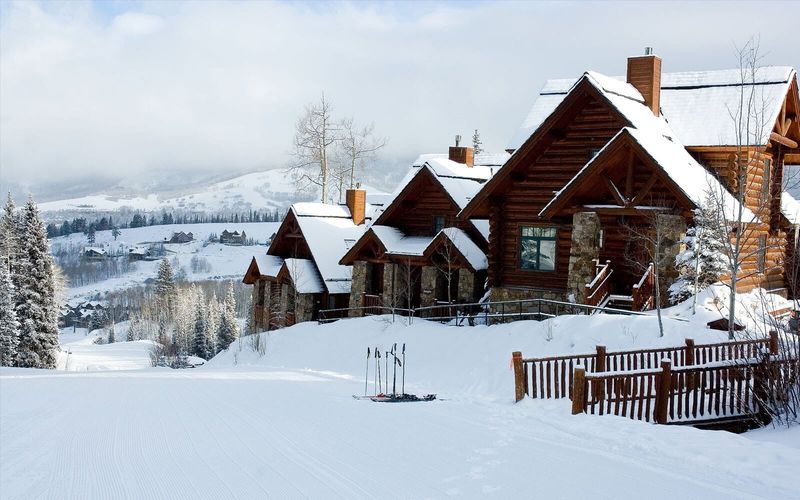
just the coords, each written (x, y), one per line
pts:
(790, 208)
(474, 255)
(304, 276)
(268, 265)
(696, 104)
(311, 209)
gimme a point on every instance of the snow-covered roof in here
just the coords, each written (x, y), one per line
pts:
(688, 175)
(99, 250)
(304, 275)
(328, 237)
(491, 159)
(790, 208)
(482, 225)
(696, 104)
(468, 249)
(268, 265)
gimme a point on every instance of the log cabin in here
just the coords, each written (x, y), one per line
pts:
(418, 253)
(300, 272)
(600, 155)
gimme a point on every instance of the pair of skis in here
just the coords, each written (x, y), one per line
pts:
(378, 380)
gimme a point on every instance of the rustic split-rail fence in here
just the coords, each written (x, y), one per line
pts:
(663, 385)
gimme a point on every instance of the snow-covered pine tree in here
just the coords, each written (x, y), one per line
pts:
(9, 327)
(133, 329)
(476, 143)
(703, 262)
(8, 232)
(228, 328)
(212, 323)
(200, 340)
(165, 287)
(36, 307)
(112, 336)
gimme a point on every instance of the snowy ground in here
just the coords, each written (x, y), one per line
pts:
(284, 425)
(226, 261)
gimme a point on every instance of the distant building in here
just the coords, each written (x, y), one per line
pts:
(95, 253)
(139, 253)
(232, 238)
(181, 237)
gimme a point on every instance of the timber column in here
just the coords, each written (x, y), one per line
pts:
(583, 252)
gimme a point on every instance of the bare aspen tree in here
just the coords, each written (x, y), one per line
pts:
(316, 133)
(355, 149)
(445, 262)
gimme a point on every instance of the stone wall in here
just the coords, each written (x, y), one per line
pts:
(358, 287)
(583, 253)
(428, 286)
(303, 307)
(389, 285)
(502, 294)
(466, 286)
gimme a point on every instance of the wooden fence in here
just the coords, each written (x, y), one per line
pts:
(714, 391)
(552, 377)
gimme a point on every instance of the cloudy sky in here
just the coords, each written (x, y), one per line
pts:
(106, 90)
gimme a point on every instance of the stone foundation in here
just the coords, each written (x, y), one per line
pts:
(358, 287)
(303, 307)
(583, 253)
(502, 294)
(388, 296)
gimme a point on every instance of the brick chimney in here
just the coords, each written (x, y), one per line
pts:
(644, 73)
(356, 200)
(460, 154)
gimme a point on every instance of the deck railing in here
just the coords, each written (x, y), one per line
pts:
(642, 292)
(600, 286)
(553, 376)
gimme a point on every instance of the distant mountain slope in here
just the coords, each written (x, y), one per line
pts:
(258, 191)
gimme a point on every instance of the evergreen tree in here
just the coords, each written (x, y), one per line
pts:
(200, 339)
(133, 329)
(212, 323)
(228, 330)
(115, 232)
(36, 308)
(9, 327)
(165, 287)
(8, 233)
(703, 262)
(91, 234)
(112, 337)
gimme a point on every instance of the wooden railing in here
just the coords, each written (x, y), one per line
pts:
(552, 377)
(600, 286)
(668, 394)
(643, 291)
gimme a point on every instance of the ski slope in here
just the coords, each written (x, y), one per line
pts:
(284, 425)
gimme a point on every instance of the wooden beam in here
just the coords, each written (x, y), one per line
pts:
(629, 178)
(614, 191)
(645, 189)
(618, 210)
(783, 140)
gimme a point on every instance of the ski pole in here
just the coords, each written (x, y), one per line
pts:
(380, 384)
(386, 371)
(366, 373)
(375, 376)
(394, 369)
(404, 369)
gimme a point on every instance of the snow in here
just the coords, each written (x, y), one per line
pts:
(482, 225)
(304, 275)
(268, 265)
(227, 262)
(270, 189)
(321, 210)
(397, 243)
(696, 104)
(790, 208)
(285, 425)
(468, 249)
(328, 239)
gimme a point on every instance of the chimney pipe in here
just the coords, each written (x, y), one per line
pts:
(458, 140)
(644, 73)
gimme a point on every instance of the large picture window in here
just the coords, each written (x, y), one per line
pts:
(537, 248)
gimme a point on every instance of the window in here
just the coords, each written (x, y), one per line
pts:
(765, 181)
(537, 248)
(438, 223)
(762, 253)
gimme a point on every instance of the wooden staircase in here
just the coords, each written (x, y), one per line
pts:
(598, 291)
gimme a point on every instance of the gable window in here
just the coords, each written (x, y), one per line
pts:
(765, 181)
(537, 248)
(762, 253)
(438, 223)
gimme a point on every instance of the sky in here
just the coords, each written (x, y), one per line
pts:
(93, 92)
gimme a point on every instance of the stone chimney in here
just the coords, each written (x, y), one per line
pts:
(356, 200)
(644, 73)
(460, 154)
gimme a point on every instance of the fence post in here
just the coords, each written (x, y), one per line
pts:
(663, 390)
(578, 390)
(519, 376)
(600, 359)
(773, 342)
(689, 357)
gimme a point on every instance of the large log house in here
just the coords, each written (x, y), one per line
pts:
(599, 155)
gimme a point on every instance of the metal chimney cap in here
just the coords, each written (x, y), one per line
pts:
(458, 140)
(648, 51)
